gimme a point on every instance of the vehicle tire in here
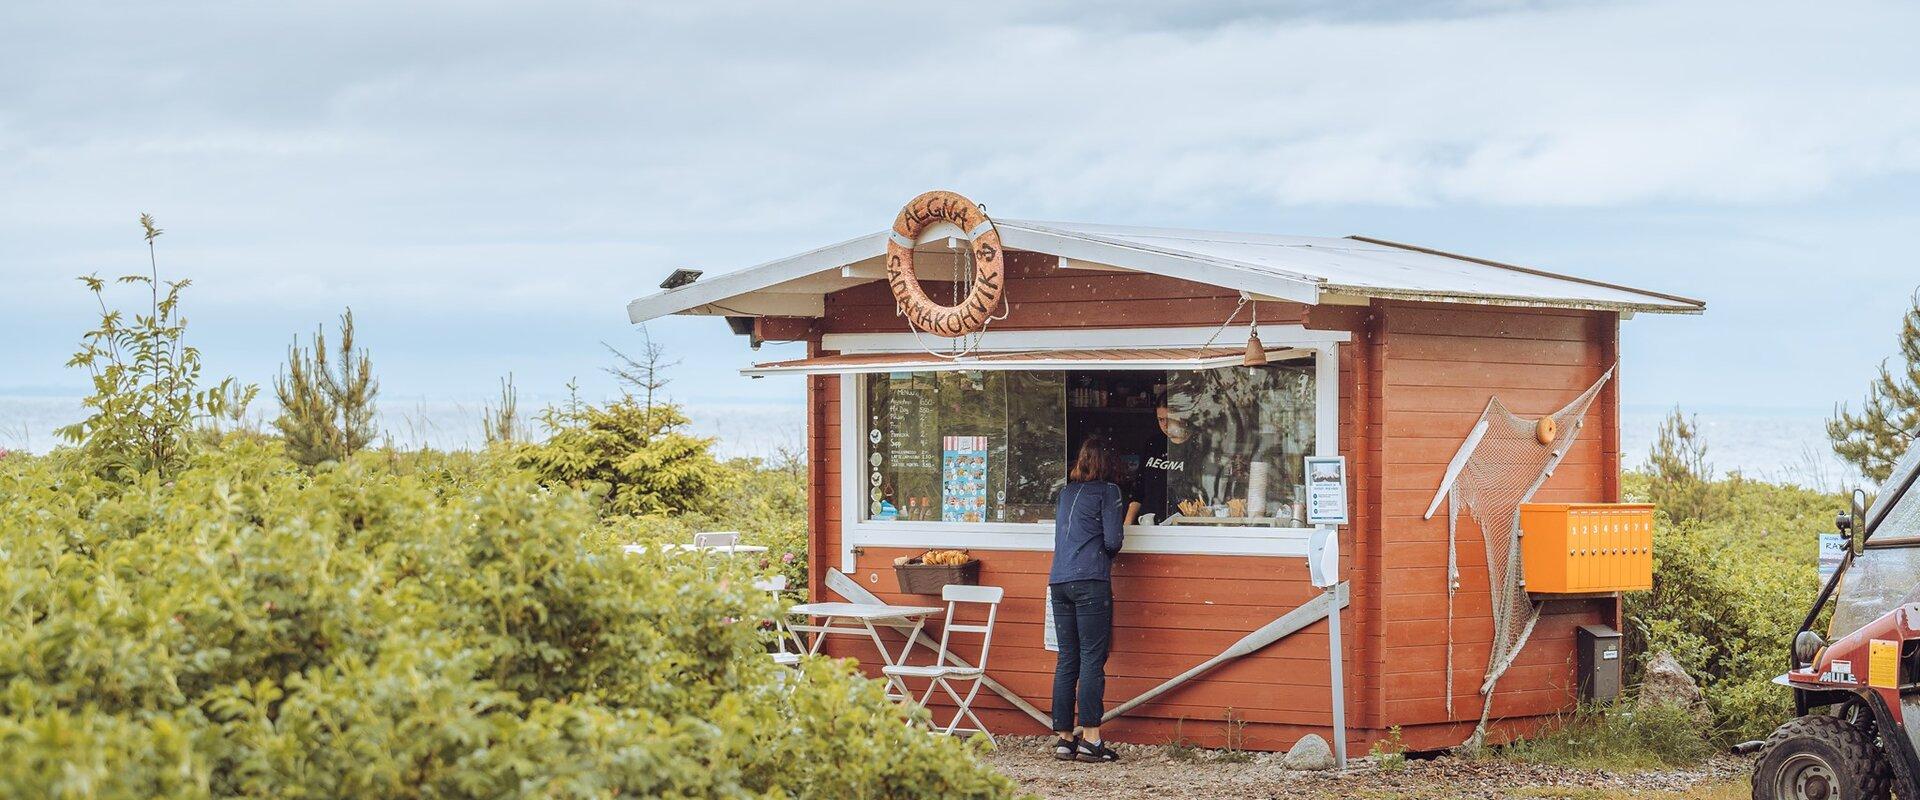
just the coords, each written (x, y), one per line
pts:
(1821, 757)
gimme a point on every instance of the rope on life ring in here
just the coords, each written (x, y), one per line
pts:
(989, 272)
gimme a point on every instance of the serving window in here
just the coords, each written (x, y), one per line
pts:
(1206, 448)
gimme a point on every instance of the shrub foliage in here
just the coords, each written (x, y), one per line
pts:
(389, 626)
(635, 455)
(1730, 587)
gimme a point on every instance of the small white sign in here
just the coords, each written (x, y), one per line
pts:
(1051, 639)
(1833, 550)
(1326, 490)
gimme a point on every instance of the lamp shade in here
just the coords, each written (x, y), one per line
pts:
(1256, 352)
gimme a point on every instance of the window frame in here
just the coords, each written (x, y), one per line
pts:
(856, 531)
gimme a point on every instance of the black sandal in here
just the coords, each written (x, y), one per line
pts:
(1095, 753)
(1064, 748)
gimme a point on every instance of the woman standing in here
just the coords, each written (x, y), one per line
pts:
(1086, 536)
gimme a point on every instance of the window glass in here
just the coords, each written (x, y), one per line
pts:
(964, 446)
(1880, 580)
(1199, 447)
(1235, 439)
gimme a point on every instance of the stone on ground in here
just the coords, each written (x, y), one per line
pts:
(1665, 682)
(1311, 752)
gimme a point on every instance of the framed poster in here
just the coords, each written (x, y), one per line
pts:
(963, 479)
(1326, 490)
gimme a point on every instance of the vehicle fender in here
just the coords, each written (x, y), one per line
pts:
(1895, 746)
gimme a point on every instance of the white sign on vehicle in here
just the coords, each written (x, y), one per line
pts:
(1833, 550)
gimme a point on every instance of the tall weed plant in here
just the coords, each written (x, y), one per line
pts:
(147, 399)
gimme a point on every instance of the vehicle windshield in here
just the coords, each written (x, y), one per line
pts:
(1896, 512)
(1886, 577)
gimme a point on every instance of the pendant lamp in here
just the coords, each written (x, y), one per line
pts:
(1256, 352)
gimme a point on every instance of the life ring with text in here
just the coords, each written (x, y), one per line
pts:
(989, 273)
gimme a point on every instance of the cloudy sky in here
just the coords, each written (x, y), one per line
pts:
(487, 184)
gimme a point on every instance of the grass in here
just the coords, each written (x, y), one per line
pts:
(1236, 739)
(1618, 738)
(1390, 754)
(1181, 748)
(1731, 790)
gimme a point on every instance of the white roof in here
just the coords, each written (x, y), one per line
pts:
(1305, 269)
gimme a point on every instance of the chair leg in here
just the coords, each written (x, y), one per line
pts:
(923, 700)
(964, 708)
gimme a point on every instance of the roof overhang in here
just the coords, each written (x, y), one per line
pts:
(1307, 270)
(1102, 359)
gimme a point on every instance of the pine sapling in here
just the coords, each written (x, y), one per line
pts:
(1889, 419)
(326, 407)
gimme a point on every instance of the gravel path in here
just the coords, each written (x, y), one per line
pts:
(1160, 773)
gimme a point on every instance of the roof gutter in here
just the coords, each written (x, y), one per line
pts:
(1472, 298)
(1698, 305)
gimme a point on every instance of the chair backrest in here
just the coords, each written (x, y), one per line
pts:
(716, 539)
(956, 595)
(774, 585)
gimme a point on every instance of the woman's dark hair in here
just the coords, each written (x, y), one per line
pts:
(1095, 462)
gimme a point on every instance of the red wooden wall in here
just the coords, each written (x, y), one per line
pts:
(1413, 380)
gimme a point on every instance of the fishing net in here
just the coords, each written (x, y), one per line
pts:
(1504, 469)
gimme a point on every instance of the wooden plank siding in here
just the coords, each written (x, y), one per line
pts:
(1412, 381)
(1439, 365)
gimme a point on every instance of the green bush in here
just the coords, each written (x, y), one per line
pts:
(1729, 590)
(765, 502)
(633, 454)
(400, 626)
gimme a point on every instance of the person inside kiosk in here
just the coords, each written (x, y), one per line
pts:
(1206, 447)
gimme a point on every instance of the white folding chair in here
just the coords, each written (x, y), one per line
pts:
(775, 585)
(942, 675)
(702, 541)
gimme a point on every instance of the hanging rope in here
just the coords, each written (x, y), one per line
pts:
(1223, 325)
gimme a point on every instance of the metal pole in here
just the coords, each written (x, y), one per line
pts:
(1339, 683)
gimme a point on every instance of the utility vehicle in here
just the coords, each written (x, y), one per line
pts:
(1858, 697)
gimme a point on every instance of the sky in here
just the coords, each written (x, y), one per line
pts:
(487, 184)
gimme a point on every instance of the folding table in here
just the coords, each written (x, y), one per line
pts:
(839, 618)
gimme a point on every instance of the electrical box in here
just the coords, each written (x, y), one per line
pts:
(1585, 548)
(1598, 662)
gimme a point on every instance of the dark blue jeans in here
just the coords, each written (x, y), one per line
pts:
(1083, 622)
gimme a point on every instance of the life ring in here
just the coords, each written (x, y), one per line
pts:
(989, 273)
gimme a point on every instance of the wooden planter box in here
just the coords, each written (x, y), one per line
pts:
(918, 578)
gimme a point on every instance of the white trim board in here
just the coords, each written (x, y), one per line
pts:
(857, 531)
(1192, 540)
(1290, 335)
(1038, 363)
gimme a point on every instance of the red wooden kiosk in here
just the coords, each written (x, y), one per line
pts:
(1383, 353)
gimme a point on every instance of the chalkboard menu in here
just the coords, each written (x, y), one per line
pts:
(911, 436)
(962, 446)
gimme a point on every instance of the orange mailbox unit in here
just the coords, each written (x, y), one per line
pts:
(1570, 548)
